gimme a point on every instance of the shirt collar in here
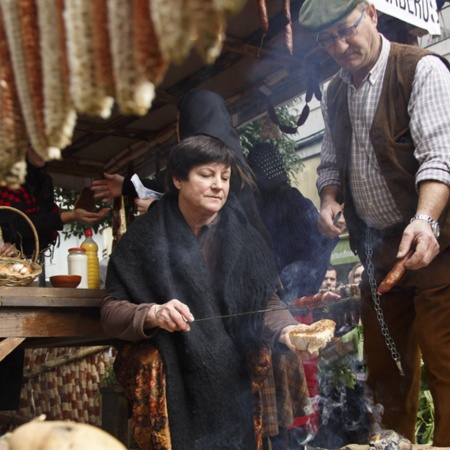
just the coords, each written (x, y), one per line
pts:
(377, 70)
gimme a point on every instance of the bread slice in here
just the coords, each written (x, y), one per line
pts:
(312, 337)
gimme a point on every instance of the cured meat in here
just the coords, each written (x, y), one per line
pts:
(13, 142)
(134, 92)
(59, 112)
(103, 72)
(394, 275)
(148, 56)
(228, 7)
(87, 96)
(288, 38)
(173, 28)
(325, 297)
(263, 16)
(209, 25)
(20, 20)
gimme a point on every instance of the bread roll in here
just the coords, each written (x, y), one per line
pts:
(312, 337)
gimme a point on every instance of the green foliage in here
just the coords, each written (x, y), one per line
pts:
(250, 135)
(65, 199)
(425, 415)
(338, 374)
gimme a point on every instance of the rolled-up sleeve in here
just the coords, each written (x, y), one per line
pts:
(276, 318)
(125, 320)
(327, 170)
(429, 109)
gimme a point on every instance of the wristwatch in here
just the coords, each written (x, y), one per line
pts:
(434, 224)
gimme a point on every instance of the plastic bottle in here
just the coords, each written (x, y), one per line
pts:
(92, 260)
(78, 265)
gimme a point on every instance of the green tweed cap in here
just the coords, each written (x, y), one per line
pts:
(316, 15)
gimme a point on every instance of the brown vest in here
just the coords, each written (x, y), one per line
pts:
(390, 136)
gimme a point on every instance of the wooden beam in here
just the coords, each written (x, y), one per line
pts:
(8, 345)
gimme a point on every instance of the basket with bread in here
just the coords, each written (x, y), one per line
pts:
(18, 270)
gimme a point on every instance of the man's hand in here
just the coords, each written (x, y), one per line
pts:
(109, 188)
(331, 221)
(171, 316)
(418, 236)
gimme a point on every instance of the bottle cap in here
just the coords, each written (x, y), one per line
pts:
(88, 232)
(74, 249)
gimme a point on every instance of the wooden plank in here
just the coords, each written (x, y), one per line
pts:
(46, 322)
(8, 345)
(50, 297)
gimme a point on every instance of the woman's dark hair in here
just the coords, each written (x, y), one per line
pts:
(193, 151)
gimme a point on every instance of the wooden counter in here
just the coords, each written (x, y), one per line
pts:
(47, 317)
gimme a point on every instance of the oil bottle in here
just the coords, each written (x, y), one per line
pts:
(93, 276)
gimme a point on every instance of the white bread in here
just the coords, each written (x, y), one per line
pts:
(312, 337)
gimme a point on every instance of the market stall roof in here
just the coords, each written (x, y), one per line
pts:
(250, 72)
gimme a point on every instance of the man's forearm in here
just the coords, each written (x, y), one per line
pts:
(433, 198)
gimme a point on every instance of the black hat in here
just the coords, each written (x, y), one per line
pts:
(204, 112)
(267, 164)
(317, 15)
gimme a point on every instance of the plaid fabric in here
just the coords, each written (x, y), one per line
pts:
(284, 393)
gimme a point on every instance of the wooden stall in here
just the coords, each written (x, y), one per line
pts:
(47, 317)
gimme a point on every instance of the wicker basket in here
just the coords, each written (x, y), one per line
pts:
(10, 279)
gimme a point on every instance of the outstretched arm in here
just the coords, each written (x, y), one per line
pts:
(109, 188)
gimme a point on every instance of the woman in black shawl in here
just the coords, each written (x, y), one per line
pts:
(194, 256)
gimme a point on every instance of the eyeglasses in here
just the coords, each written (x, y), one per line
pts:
(344, 35)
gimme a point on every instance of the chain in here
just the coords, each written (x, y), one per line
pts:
(376, 301)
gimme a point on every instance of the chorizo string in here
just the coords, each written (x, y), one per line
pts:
(288, 39)
(394, 275)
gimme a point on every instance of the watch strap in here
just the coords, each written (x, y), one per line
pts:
(434, 224)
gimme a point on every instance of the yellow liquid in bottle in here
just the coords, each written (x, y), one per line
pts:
(92, 263)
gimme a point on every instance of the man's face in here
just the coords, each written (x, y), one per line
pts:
(330, 280)
(359, 53)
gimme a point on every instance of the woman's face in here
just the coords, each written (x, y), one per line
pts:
(206, 189)
(358, 274)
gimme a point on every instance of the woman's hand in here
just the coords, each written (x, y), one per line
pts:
(143, 204)
(82, 216)
(9, 250)
(171, 316)
(284, 339)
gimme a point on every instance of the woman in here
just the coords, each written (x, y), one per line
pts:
(194, 256)
(36, 199)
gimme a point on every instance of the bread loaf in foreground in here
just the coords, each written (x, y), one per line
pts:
(312, 337)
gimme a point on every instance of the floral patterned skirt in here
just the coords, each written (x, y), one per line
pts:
(140, 370)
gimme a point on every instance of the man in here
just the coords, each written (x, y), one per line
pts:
(330, 279)
(385, 156)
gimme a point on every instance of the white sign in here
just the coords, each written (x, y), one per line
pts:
(421, 13)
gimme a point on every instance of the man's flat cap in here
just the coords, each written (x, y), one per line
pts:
(317, 15)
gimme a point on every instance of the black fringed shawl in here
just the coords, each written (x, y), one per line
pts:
(208, 382)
